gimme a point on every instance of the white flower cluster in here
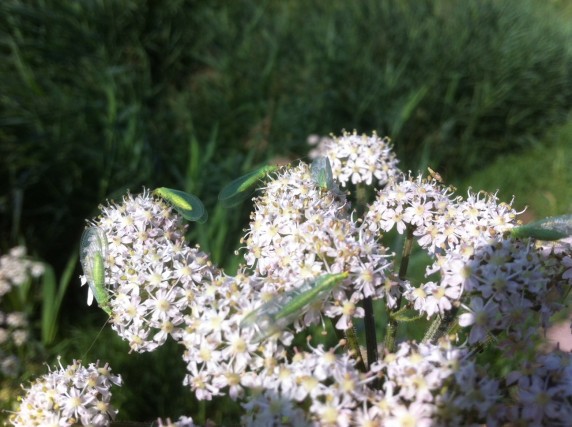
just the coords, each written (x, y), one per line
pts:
(181, 422)
(336, 393)
(14, 332)
(74, 395)
(218, 352)
(299, 232)
(542, 390)
(15, 270)
(420, 383)
(151, 275)
(497, 279)
(357, 158)
(329, 383)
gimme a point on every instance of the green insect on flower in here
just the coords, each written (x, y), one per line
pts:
(551, 228)
(241, 188)
(190, 207)
(93, 248)
(275, 315)
(321, 170)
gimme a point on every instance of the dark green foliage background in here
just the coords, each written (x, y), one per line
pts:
(97, 97)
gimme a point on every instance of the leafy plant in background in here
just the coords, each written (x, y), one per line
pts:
(185, 94)
(489, 290)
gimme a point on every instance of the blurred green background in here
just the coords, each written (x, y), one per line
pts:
(101, 96)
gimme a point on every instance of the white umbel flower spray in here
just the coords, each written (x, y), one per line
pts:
(357, 158)
(69, 396)
(299, 231)
(151, 274)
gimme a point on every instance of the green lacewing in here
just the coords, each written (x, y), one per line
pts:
(551, 228)
(93, 248)
(190, 207)
(321, 171)
(241, 188)
(276, 314)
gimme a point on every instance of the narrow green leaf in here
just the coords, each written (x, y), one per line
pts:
(52, 300)
(48, 310)
(241, 188)
(551, 228)
(93, 249)
(275, 315)
(189, 206)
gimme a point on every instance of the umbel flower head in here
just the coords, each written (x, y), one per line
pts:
(358, 158)
(68, 396)
(309, 257)
(299, 231)
(151, 275)
(16, 269)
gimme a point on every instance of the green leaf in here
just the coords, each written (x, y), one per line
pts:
(276, 314)
(551, 228)
(241, 188)
(189, 206)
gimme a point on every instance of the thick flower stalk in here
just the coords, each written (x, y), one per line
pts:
(69, 396)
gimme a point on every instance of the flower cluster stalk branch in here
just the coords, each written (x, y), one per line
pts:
(370, 333)
(367, 304)
(441, 325)
(353, 347)
(351, 344)
(393, 323)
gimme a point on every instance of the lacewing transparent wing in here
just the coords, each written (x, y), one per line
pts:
(241, 188)
(190, 207)
(322, 175)
(93, 249)
(551, 228)
(276, 314)
(321, 171)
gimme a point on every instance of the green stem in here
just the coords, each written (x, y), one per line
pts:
(352, 344)
(369, 318)
(361, 199)
(392, 324)
(370, 336)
